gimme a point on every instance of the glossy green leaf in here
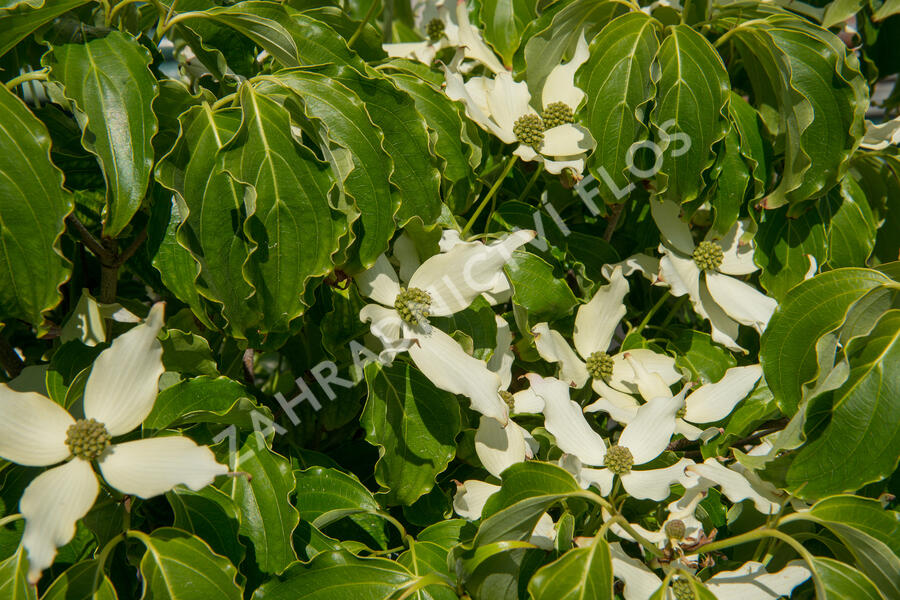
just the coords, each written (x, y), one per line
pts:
(843, 581)
(545, 296)
(32, 213)
(865, 514)
(784, 245)
(414, 425)
(337, 576)
(204, 399)
(859, 444)
(808, 311)
(578, 574)
(268, 518)
(14, 578)
(528, 489)
(504, 21)
(359, 158)
(706, 360)
(17, 25)
(746, 121)
(288, 181)
(212, 229)
(618, 84)
(82, 581)
(689, 114)
(423, 558)
(320, 491)
(851, 236)
(211, 515)
(839, 11)
(179, 566)
(887, 9)
(110, 83)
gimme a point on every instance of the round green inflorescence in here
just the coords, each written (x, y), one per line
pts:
(599, 365)
(619, 460)
(708, 256)
(682, 589)
(681, 412)
(529, 130)
(557, 113)
(414, 306)
(435, 30)
(87, 438)
(675, 529)
(508, 398)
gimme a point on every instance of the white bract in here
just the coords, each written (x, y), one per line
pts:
(502, 106)
(120, 392)
(707, 404)
(702, 272)
(611, 375)
(641, 441)
(442, 285)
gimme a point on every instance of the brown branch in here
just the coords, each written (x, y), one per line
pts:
(613, 220)
(88, 238)
(10, 360)
(129, 252)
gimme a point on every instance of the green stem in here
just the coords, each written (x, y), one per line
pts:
(118, 7)
(509, 165)
(10, 519)
(763, 532)
(402, 530)
(673, 312)
(531, 182)
(104, 555)
(652, 311)
(359, 29)
(593, 497)
(223, 101)
(423, 582)
(168, 23)
(41, 75)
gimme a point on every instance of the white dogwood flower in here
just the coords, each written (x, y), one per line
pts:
(702, 272)
(707, 404)
(502, 106)
(681, 525)
(120, 392)
(442, 285)
(750, 581)
(641, 441)
(612, 377)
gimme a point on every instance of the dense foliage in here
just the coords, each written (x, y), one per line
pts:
(502, 299)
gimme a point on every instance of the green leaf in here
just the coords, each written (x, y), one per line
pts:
(179, 566)
(692, 93)
(578, 574)
(808, 76)
(82, 580)
(545, 296)
(204, 399)
(414, 425)
(423, 558)
(16, 25)
(839, 11)
(14, 578)
(287, 180)
(747, 123)
(406, 141)
(843, 581)
(807, 312)
(337, 576)
(889, 8)
(213, 228)
(865, 514)
(528, 489)
(851, 237)
(477, 323)
(783, 245)
(211, 515)
(326, 495)
(187, 353)
(859, 443)
(32, 217)
(617, 81)
(696, 351)
(268, 518)
(364, 168)
(504, 21)
(111, 84)
(499, 571)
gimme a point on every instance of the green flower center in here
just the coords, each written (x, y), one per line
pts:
(414, 306)
(557, 113)
(619, 460)
(508, 398)
(599, 365)
(708, 256)
(682, 589)
(681, 412)
(435, 30)
(87, 438)
(529, 130)
(675, 529)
